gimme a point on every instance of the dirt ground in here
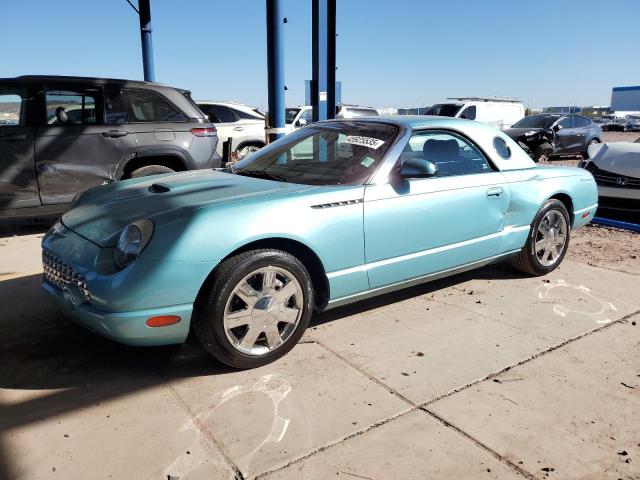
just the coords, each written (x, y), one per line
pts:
(604, 247)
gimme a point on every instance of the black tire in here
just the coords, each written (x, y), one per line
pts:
(150, 170)
(585, 154)
(208, 321)
(247, 149)
(542, 150)
(527, 260)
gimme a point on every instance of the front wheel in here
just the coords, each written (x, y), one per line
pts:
(545, 150)
(547, 242)
(258, 306)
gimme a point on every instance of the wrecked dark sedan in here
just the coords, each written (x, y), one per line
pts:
(547, 134)
(60, 136)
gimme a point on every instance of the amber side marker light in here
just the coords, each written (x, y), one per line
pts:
(163, 321)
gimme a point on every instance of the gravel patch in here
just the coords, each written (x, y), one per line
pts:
(605, 247)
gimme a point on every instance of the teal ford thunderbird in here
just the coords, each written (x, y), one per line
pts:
(333, 213)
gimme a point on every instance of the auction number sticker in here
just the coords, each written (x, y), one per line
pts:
(364, 141)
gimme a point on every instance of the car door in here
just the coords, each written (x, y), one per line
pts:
(582, 127)
(18, 184)
(421, 226)
(73, 149)
(565, 141)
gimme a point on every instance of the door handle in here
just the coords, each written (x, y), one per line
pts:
(494, 192)
(114, 133)
(20, 136)
(238, 129)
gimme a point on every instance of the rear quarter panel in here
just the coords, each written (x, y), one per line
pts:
(530, 188)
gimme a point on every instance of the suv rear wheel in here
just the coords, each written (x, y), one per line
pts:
(150, 170)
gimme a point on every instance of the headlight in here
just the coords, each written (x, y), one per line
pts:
(133, 238)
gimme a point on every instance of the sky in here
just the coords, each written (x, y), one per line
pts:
(398, 53)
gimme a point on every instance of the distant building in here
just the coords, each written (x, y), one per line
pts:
(563, 110)
(625, 101)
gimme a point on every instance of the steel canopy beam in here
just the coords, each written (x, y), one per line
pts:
(275, 68)
(323, 55)
(144, 12)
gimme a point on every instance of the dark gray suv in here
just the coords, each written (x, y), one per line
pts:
(62, 135)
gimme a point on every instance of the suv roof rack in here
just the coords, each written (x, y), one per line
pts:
(487, 99)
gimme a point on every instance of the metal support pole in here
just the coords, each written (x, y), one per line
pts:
(144, 11)
(319, 59)
(275, 68)
(331, 58)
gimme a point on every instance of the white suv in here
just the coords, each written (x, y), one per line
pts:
(242, 123)
(296, 117)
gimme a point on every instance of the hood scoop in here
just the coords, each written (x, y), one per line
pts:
(159, 188)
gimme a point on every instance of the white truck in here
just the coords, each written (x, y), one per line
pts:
(501, 113)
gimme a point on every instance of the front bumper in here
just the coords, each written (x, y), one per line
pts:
(81, 280)
(123, 327)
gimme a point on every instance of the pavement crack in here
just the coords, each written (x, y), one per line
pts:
(505, 461)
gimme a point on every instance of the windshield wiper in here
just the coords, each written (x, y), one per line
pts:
(263, 174)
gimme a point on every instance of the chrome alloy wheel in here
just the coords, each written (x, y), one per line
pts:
(551, 238)
(263, 310)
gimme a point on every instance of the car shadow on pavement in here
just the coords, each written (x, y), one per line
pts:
(52, 366)
(26, 226)
(499, 271)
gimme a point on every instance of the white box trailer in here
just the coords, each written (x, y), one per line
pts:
(501, 113)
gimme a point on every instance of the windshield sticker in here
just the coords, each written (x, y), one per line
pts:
(367, 162)
(364, 141)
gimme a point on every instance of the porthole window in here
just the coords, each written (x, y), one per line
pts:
(502, 148)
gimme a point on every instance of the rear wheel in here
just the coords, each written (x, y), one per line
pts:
(585, 154)
(547, 242)
(246, 150)
(258, 306)
(150, 170)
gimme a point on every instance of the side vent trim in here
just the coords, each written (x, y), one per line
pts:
(159, 188)
(338, 204)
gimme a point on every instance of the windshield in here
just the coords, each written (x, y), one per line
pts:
(290, 114)
(444, 110)
(334, 153)
(536, 121)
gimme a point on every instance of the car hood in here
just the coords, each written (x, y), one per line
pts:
(622, 158)
(100, 214)
(518, 132)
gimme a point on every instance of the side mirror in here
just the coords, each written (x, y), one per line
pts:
(557, 127)
(301, 122)
(62, 116)
(418, 168)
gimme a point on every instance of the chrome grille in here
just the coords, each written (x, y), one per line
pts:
(61, 275)
(610, 179)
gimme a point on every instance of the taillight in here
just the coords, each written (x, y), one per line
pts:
(204, 131)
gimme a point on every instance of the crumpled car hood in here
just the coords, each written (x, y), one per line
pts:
(516, 133)
(622, 158)
(101, 213)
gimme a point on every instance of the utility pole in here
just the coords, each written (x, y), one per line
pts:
(275, 68)
(144, 14)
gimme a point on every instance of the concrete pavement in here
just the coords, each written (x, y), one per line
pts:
(484, 375)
